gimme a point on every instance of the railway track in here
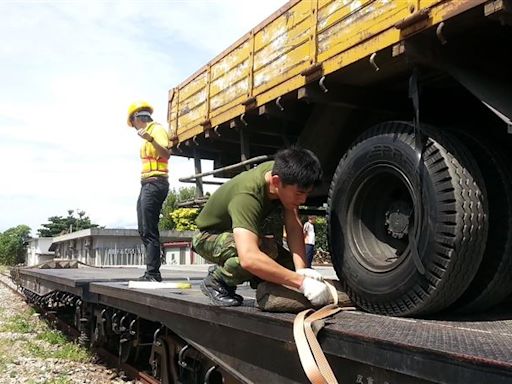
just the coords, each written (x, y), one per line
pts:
(110, 360)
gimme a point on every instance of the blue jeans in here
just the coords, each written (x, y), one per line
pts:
(149, 204)
(310, 253)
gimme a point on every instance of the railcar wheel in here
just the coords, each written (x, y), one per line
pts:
(407, 236)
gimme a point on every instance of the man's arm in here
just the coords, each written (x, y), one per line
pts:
(261, 265)
(295, 238)
(162, 152)
(159, 141)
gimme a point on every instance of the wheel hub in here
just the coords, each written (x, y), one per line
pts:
(397, 219)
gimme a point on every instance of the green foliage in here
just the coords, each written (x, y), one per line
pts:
(13, 245)
(184, 218)
(17, 324)
(6, 356)
(52, 337)
(67, 351)
(171, 203)
(58, 225)
(62, 379)
(321, 234)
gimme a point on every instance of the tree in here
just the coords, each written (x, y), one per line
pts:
(171, 204)
(13, 245)
(57, 225)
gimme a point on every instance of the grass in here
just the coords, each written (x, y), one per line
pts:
(59, 380)
(17, 324)
(66, 351)
(48, 343)
(5, 356)
(43, 343)
(52, 337)
(24, 322)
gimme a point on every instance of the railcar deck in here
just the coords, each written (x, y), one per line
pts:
(361, 347)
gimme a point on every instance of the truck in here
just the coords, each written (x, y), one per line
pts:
(408, 106)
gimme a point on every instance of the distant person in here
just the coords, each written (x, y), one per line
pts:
(309, 239)
(231, 234)
(154, 154)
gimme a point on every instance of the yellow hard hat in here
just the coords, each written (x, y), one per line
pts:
(139, 105)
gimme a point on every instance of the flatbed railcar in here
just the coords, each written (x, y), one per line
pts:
(181, 337)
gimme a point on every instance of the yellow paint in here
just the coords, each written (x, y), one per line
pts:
(268, 61)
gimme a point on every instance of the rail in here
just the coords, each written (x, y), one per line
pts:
(199, 199)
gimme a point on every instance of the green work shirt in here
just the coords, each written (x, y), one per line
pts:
(241, 202)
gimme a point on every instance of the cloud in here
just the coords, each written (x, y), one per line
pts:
(69, 71)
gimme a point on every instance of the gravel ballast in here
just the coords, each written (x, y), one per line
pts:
(32, 353)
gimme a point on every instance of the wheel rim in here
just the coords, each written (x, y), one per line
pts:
(381, 214)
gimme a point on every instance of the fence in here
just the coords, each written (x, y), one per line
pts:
(120, 256)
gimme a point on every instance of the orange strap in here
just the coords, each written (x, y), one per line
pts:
(311, 356)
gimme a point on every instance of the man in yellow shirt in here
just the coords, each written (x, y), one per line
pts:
(154, 153)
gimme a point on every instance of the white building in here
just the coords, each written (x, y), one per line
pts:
(38, 250)
(181, 253)
(118, 247)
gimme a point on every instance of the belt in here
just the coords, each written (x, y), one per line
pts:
(154, 178)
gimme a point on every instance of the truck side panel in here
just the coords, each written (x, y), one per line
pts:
(277, 57)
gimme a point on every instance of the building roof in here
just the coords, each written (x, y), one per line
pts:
(165, 236)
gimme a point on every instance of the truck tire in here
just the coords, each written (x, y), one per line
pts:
(385, 202)
(493, 282)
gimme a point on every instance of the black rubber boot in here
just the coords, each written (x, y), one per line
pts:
(219, 292)
(151, 277)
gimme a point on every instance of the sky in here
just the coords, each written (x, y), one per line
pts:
(69, 70)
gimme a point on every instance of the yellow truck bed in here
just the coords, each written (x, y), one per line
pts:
(302, 38)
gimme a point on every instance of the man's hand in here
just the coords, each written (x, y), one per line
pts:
(146, 136)
(309, 272)
(316, 292)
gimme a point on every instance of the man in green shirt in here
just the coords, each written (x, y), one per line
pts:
(231, 234)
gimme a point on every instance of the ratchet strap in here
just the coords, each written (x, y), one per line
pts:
(306, 326)
(419, 144)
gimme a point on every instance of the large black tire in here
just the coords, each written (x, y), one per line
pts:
(493, 282)
(377, 211)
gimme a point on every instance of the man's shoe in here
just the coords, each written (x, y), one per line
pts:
(231, 289)
(219, 292)
(151, 277)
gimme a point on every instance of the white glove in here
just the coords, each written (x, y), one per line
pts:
(309, 272)
(315, 291)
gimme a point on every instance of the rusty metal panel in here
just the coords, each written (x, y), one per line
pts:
(192, 103)
(282, 48)
(269, 61)
(229, 79)
(365, 22)
(331, 12)
(194, 86)
(286, 66)
(172, 112)
(230, 86)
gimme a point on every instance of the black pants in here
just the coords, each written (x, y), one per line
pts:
(310, 254)
(149, 204)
